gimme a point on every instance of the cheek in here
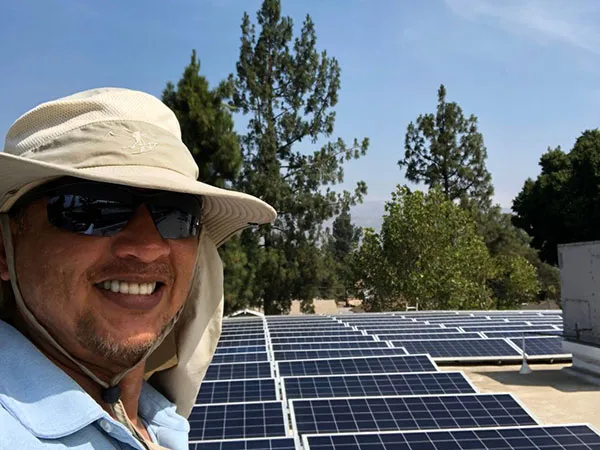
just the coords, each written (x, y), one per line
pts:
(52, 275)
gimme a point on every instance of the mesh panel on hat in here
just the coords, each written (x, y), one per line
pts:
(52, 119)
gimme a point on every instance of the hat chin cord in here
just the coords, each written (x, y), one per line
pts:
(111, 392)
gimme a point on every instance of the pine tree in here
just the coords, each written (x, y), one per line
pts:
(288, 91)
(446, 150)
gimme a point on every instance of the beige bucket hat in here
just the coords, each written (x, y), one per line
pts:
(131, 138)
(117, 136)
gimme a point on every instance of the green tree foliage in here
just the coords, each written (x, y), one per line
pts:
(288, 89)
(446, 150)
(428, 253)
(207, 130)
(206, 124)
(342, 244)
(514, 282)
(563, 204)
(506, 241)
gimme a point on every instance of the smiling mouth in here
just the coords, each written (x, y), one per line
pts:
(127, 287)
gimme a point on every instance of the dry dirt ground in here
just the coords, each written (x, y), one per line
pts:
(550, 393)
(321, 307)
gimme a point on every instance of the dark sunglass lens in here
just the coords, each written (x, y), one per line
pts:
(175, 224)
(86, 215)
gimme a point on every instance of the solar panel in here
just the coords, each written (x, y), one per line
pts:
(570, 437)
(239, 357)
(242, 349)
(238, 371)
(237, 420)
(341, 333)
(542, 346)
(341, 353)
(365, 364)
(506, 327)
(391, 326)
(420, 336)
(300, 326)
(329, 345)
(516, 334)
(246, 323)
(234, 391)
(460, 348)
(407, 413)
(337, 338)
(422, 383)
(242, 327)
(241, 342)
(251, 327)
(246, 444)
(241, 337)
(310, 330)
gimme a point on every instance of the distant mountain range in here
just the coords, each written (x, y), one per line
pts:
(370, 214)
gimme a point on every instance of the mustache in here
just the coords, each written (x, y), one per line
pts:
(161, 271)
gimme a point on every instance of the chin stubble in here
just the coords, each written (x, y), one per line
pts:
(123, 353)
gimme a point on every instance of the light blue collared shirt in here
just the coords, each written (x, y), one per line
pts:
(43, 408)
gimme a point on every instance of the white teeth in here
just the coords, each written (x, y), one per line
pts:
(125, 287)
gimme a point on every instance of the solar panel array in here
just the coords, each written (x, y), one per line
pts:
(372, 381)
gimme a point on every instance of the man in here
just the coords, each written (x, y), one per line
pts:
(112, 290)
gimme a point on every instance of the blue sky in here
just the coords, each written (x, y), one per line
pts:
(529, 69)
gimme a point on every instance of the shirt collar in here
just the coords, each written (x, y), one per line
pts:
(50, 404)
(41, 396)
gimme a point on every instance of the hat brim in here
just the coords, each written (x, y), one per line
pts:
(226, 212)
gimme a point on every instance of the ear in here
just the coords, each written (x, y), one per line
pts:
(4, 275)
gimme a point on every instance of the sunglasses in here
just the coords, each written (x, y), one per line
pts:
(103, 209)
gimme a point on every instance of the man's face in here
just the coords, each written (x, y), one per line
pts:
(69, 281)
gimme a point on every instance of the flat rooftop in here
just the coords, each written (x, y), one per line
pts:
(550, 393)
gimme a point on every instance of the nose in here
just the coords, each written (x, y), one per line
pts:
(140, 239)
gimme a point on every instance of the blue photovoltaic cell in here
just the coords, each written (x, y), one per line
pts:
(239, 357)
(463, 348)
(420, 335)
(235, 391)
(254, 327)
(242, 343)
(541, 346)
(338, 338)
(507, 327)
(376, 364)
(307, 326)
(307, 333)
(242, 349)
(242, 330)
(377, 385)
(241, 337)
(238, 371)
(246, 444)
(232, 330)
(342, 353)
(402, 328)
(517, 334)
(329, 345)
(574, 437)
(241, 420)
(407, 413)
